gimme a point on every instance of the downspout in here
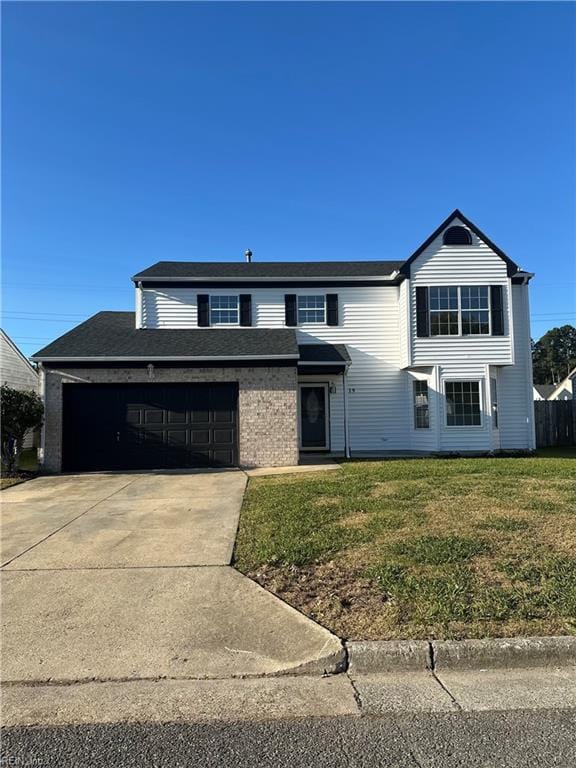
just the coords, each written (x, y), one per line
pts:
(346, 424)
(139, 297)
(42, 393)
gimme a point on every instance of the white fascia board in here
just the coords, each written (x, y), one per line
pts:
(293, 279)
(151, 359)
(325, 362)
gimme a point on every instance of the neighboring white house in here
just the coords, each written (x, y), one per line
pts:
(564, 390)
(252, 363)
(17, 371)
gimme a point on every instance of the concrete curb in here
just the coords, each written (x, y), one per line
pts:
(504, 653)
(377, 656)
(366, 657)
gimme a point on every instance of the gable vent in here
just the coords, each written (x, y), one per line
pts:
(457, 236)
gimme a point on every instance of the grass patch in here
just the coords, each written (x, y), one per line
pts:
(437, 550)
(27, 469)
(502, 523)
(420, 547)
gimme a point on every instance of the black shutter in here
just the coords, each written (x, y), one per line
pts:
(422, 317)
(331, 309)
(497, 309)
(290, 309)
(245, 309)
(203, 310)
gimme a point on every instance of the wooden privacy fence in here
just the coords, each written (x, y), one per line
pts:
(555, 422)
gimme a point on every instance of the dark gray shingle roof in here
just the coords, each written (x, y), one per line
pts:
(113, 334)
(273, 269)
(545, 390)
(323, 353)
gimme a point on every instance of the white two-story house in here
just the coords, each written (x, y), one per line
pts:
(253, 363)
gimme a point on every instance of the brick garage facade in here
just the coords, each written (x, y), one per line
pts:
(267, 406)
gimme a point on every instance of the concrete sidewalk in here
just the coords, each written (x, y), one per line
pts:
(126, 577)
(272, 698)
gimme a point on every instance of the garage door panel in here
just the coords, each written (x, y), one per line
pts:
(221, 458)
(153, 417)
(223, 436)
(199, 436)
(149, 426)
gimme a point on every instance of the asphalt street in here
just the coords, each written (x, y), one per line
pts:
(531, 739)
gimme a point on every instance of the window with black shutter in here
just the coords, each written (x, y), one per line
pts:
(203, 310)
(290, 309)
(332, 309)
(422, 317)
(497, 309)
(245, 309)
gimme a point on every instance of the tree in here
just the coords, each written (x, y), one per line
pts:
(20, 412)
(554, 355)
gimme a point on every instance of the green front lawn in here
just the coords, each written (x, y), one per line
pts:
(417, 548)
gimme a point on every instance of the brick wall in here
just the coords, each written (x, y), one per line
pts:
(268, 407)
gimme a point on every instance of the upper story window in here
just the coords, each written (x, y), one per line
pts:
(457, 236)
(311, 309)
(475, 310)
(459, 310)
(444, 311)
(224, 310)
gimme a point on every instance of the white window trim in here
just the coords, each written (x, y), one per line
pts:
(481, 394)
(459, 311)
(310, 322)
(223, 325)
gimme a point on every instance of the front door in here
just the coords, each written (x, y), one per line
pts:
(313, 416)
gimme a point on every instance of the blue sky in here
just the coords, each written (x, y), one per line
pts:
(135, 132)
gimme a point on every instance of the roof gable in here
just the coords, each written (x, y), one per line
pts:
(456, 215)
(18, 351)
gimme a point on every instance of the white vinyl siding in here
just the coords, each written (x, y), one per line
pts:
(378, 326)
(17, 373)
(466, 265)
(515, 402)
(404, 322)
(377, 388)
(169, 308)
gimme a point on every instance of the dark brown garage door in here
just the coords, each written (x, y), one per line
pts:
(155, 426)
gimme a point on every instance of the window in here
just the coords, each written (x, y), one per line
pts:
(421, 412)
(444, 311)
(461, 310)
(494, 401)
(224, 310)
(463, 404)
(457, 236)
(311, 309)
(475, 307)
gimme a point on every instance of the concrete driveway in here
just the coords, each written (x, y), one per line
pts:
(127, 577)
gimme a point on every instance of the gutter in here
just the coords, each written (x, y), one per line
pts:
(295, 278)
(172, 358)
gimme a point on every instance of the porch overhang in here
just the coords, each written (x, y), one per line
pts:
(323, 359)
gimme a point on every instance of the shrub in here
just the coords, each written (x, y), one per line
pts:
(20, 412)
